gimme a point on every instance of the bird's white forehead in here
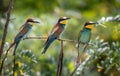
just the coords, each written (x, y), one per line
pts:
(90, 22)
(64, 17)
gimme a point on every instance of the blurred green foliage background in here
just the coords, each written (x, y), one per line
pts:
(29, 56)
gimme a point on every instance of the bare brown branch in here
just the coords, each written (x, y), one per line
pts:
(14, 61)
(45, 37)
(5, 57)
(60, 61)
(6, 27)
(37, 37)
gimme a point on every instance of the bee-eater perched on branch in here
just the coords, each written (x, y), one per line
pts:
(23, 32)
(56, 31)
(84, 38)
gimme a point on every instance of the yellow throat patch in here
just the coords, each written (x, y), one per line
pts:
(90, 26)
(31, 23)
(64, 22)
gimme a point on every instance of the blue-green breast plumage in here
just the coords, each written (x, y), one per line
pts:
(85, 36)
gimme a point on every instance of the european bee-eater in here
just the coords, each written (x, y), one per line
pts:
(55, 32)
(84, 37)
(23, 32)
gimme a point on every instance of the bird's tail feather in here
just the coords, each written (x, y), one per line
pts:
(47, 45)
(16, 45)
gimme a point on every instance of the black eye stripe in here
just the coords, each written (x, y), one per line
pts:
(89, 23)
(62, 19)
(30, 21)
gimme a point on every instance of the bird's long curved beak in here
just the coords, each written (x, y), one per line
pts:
(36, 21)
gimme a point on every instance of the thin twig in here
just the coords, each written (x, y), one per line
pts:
(79, 59)
(5, 33)
(75, 70)
(60, 61)
(5, 57)
(45, 37)
(37, 37)
(6, 27)
(14, 60)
